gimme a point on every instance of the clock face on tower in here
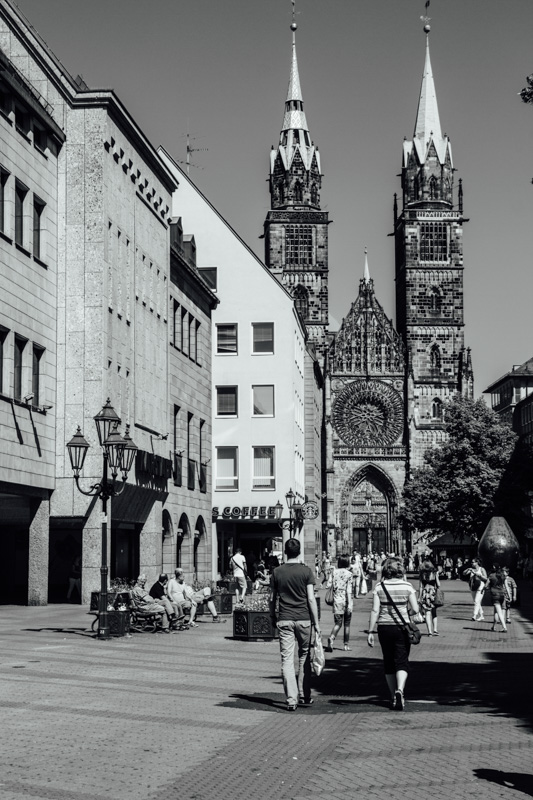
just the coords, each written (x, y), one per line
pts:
(368, 414)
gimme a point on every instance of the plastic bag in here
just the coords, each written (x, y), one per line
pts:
(318, 660)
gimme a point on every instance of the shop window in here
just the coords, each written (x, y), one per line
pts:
(263, 477)
(227, 468)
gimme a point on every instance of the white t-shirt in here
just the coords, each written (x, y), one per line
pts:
(238, 562)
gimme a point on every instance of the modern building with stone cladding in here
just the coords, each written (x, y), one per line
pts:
(88, 315)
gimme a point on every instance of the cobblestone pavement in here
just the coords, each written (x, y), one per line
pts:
(200, 716)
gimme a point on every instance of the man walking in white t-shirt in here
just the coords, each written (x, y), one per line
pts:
(238, 562)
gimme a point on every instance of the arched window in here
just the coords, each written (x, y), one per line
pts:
(298, 192)
(433, 188)
(314, 195)
(301, 301)
(436, 409)
(434, 358)
(435, 300)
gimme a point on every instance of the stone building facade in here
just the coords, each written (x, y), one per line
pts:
(385, 388)
(96, 308)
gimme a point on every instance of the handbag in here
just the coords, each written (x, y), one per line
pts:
(409, 628)
(318, 661)
(328, 599)
(439, 598)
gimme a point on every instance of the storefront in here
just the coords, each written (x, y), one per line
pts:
(254, 529)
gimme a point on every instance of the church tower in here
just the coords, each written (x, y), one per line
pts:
(295, 229)
(429, 275)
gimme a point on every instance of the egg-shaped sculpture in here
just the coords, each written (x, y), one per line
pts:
(498, 545)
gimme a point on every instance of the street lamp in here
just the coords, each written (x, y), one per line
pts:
(118, 456)
(295, 513)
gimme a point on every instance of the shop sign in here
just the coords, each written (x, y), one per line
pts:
(244, 512)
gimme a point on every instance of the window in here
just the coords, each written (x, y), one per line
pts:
(192, 338)
(434, 358)
(263, 399)
(5, 102)
(184, 333)
(434, 300)
(20, 344)
(263, 337)
(22, 120)
(20, 196)
(38, 208)
(314, 195)
(177, 453)
(39, 137)
(226, 339)
(209, 274)
(227, 468)
(263, 477)
(3, 200)
(301, 301)
(203, 466)
(198, 344)
(299, 245)
(176, 314)
(436, 409)
(433, 241)
(298, 192)
(3, 335)
(227, 401)
(191, 463)
(36, 374)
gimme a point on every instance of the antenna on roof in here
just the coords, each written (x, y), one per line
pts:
(188, 163)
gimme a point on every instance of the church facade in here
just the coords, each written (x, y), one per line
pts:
(386, 385)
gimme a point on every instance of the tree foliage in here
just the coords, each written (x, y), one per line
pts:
(455, 490)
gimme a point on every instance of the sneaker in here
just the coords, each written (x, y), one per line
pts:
(347, 647)
(399, 702)
(435, 633)
(217, 619)
(193, 624)
(291, 707)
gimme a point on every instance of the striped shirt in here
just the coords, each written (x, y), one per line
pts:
(399, 590)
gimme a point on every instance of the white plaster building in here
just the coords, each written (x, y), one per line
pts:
(259, 347)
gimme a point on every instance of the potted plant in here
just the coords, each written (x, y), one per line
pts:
(118, 595)
(253, 621)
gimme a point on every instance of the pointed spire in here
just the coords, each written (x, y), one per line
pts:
(427, 119)
(367, 271)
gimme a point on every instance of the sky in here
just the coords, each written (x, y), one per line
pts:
(221, 69)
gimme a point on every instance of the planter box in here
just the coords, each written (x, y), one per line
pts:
(112, 599)
(223, 604)
(253, 625)
(119, 622)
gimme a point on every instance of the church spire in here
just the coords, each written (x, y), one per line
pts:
(427, 118)
(294, 135)
(366, 274)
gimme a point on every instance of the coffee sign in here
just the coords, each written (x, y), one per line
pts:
(244, 512)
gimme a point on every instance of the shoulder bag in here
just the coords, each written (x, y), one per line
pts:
(410, 629)
(330, 594)
(439, 597)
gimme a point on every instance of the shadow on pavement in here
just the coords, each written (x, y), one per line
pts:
(501, 686)
(520, 781)
(85, 632)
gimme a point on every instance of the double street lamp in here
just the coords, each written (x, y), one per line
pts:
(118, 456)
(295, 514)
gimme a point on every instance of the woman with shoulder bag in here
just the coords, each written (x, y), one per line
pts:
(393, 598)
(341, 580)
(427, 591)
(477, 579)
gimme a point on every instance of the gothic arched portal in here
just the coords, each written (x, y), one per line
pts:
(369, 505)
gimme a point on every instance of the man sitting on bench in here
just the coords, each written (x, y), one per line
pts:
(146, 603)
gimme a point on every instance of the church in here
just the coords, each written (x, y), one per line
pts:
(385, 384)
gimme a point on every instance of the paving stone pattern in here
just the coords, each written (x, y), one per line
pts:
(200, 716)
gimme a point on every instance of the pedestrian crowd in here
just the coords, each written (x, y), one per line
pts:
(397, 607)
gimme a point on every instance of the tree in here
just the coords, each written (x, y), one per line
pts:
(454, 492)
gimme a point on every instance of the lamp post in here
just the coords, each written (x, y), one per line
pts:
(118, 456)
(295, 514)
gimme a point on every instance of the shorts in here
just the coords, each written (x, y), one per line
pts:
(242, 582)
(345, 618)
(396, 648)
